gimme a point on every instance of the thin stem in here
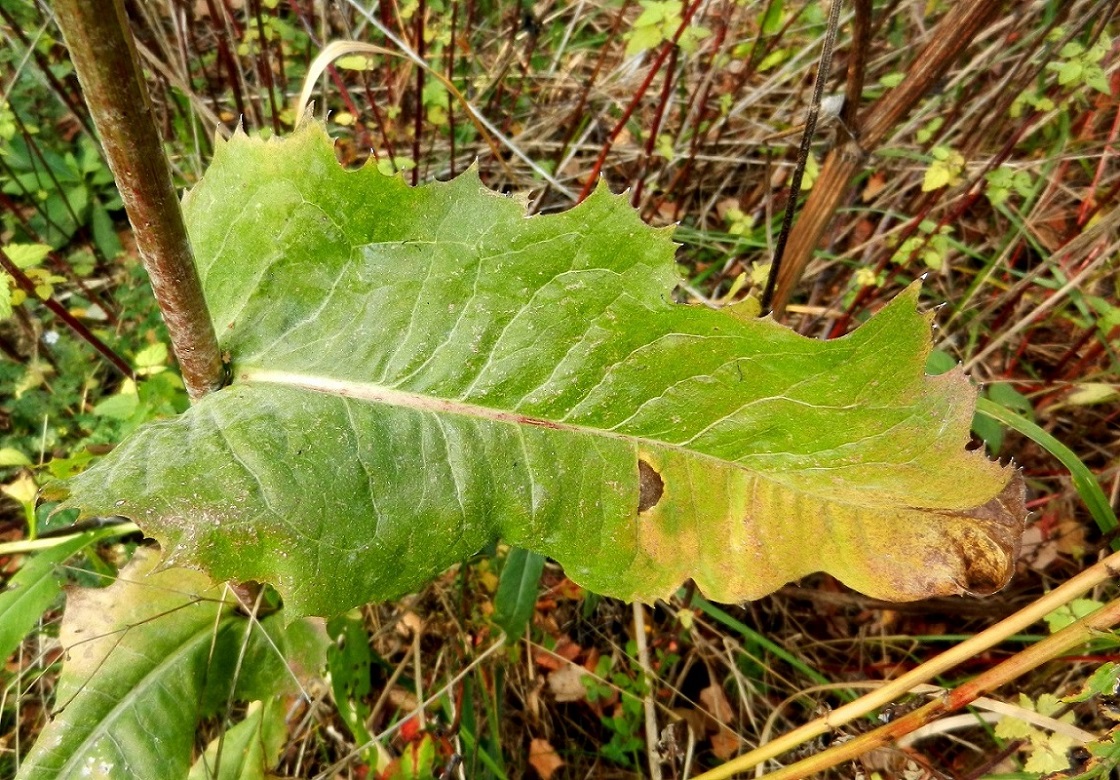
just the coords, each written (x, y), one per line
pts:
(104, 56)
(418, 120)
(803, 152)
(948, 41)
(639, 94)
(1019, 664)
(648, 705)
(60, 311)
(857, 66)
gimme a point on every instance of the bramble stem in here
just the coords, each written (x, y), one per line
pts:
(104, 56)
(57, 309)
(947, 42)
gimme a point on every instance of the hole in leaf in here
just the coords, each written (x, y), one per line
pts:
(650, 486)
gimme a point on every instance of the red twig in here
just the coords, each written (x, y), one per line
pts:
(639, 94)
(56, 308)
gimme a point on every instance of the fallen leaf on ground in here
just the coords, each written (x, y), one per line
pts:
(725, 744)
(567, 684)
(716, 704)
(544, 758)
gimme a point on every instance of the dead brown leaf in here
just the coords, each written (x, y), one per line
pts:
(716, 705)
(544, 758)
(725, 743)
(875, 184)
(566, 684)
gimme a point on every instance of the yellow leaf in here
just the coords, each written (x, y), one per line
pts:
(937, 176)
(23, 489)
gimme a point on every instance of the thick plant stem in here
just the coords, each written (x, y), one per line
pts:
(948, 41)
(104, 56)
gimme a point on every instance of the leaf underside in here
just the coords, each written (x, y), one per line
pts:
(133, 681)
(419, 371)
(147, 657)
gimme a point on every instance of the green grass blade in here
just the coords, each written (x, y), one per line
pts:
(1083, 480)
(517, 590)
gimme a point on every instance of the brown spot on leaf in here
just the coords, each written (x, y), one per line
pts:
(650, 486)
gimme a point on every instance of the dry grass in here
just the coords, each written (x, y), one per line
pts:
(1031, 288)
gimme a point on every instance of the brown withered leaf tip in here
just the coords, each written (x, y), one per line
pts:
(989, 549)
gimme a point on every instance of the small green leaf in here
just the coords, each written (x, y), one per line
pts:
(866, 277)
(927, 132)
(26, 256)
(689, 40)
(152, 359)
(6, 298)
(348, 661)
(774, 59)
(772, 17)
(937, 176)
(104, 232)
(32, 591)
(118, 407)
(812, 170)
(1103, 681)
(990, 432)
(945, 170)
(892, 80)
(360, 62)
(643, 39)
(940, 361)
(1070, 72)
(1046, 751)
(249, 749)
(64, 468)
(1070, 613)
(517, 590)
(1071, 50)
(1004, 394)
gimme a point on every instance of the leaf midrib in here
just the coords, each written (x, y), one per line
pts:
(380, 394)
(374, 393)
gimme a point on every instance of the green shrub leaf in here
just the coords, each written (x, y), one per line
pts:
(418, 371)
(32, 591)
(146, 657)
(132, 683)
(517, 591)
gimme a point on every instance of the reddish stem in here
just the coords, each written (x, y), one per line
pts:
(639, 94)
(56, 308)
(104, 56)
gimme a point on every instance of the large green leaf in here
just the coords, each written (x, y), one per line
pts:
(418, 371)
(133, 680)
